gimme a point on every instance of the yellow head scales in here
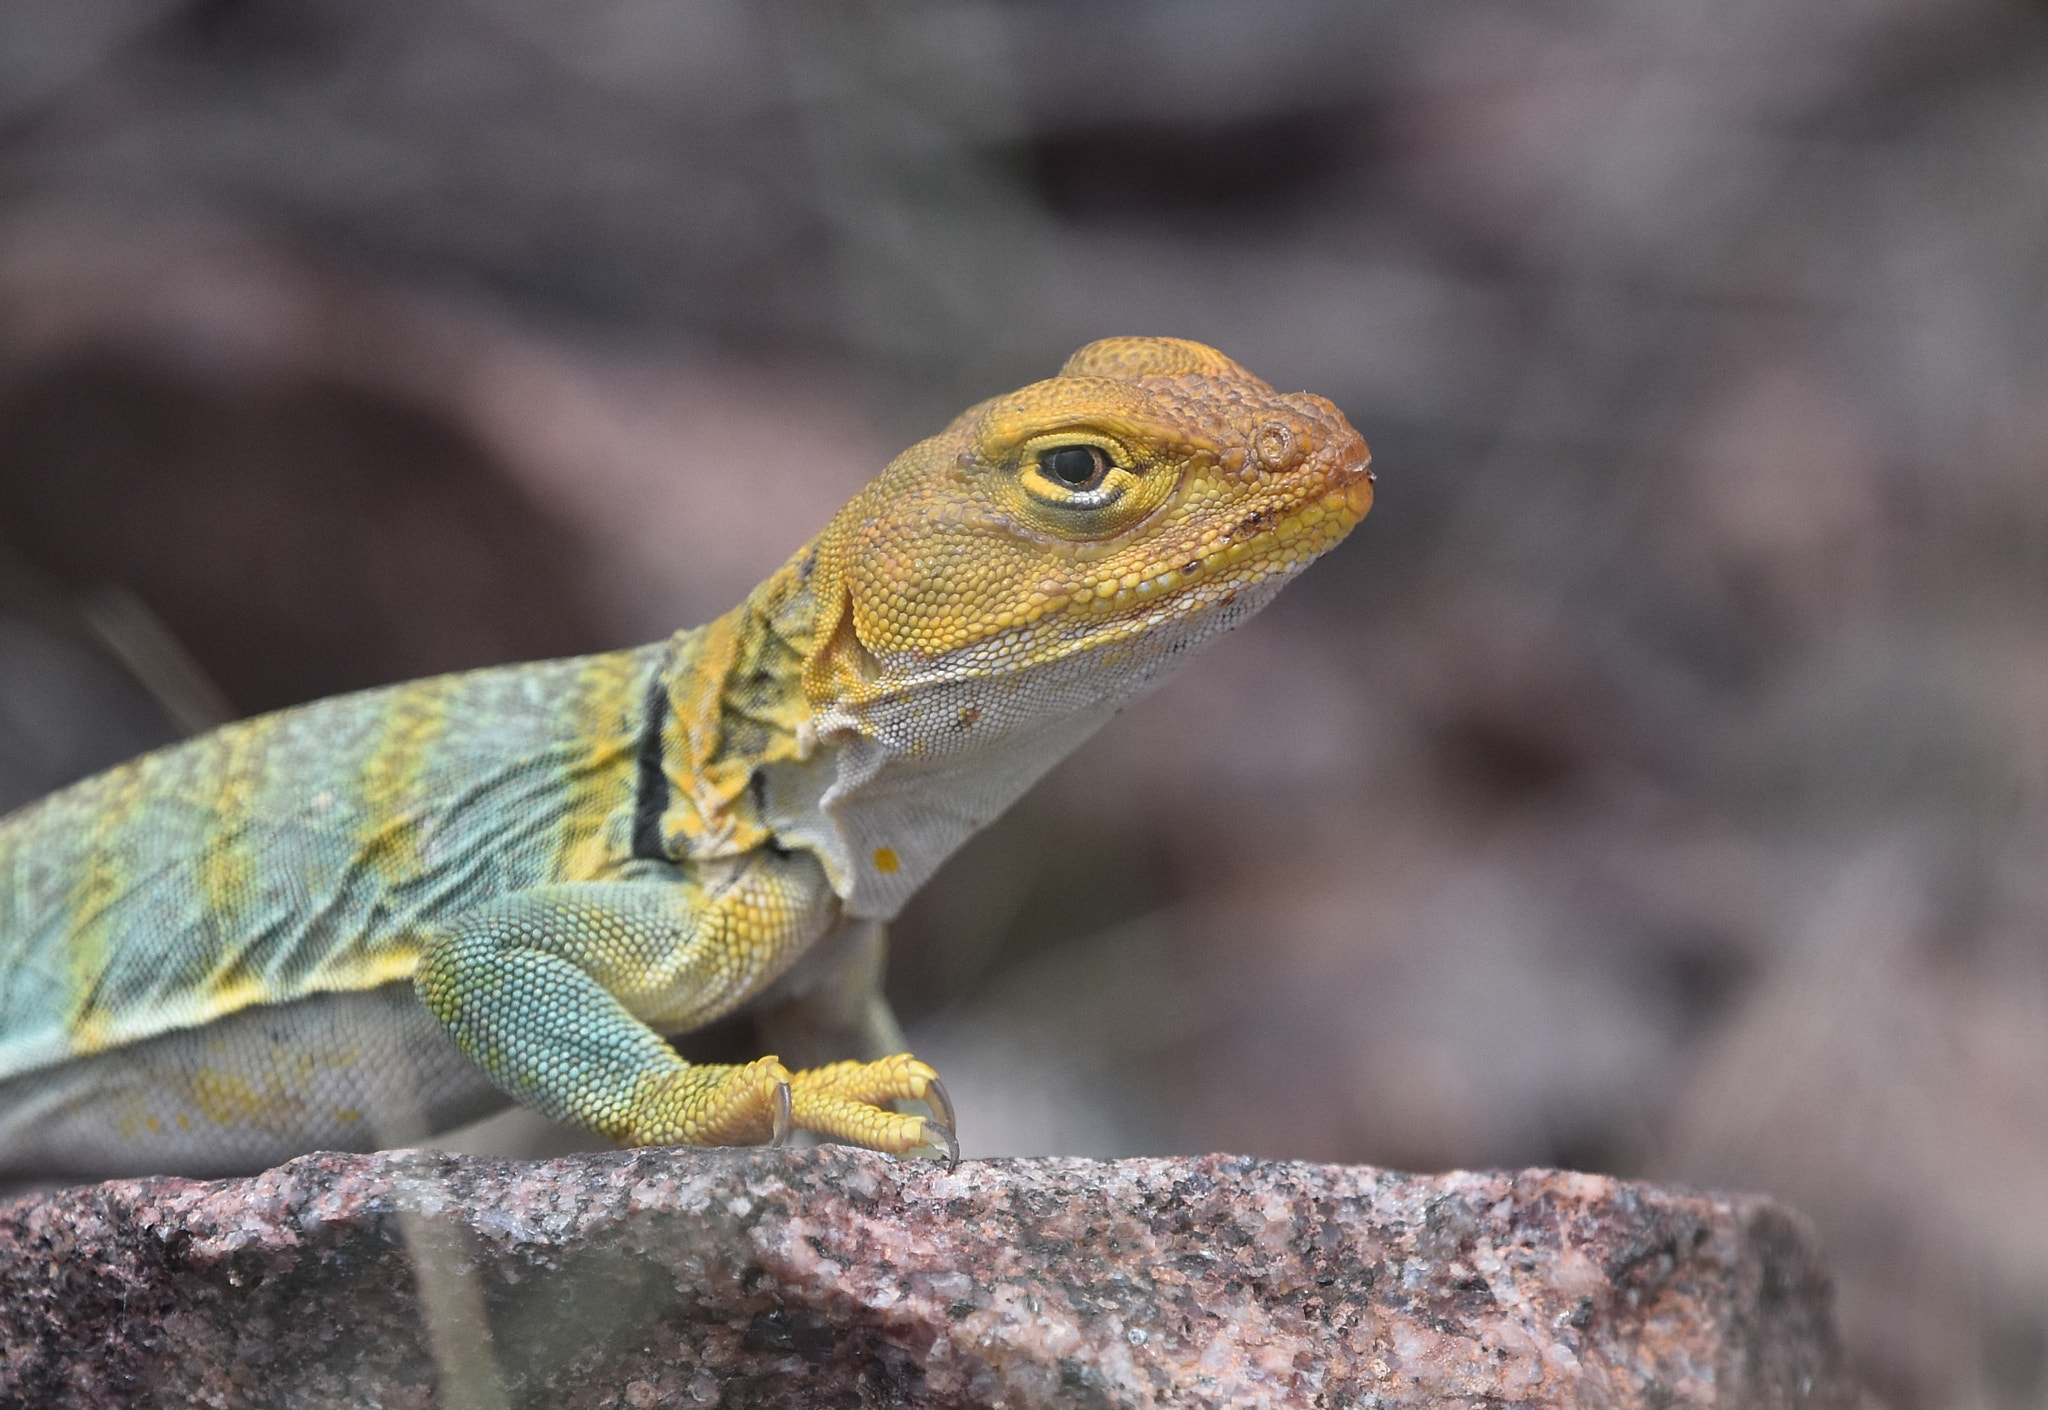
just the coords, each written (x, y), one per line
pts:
(1153, 478)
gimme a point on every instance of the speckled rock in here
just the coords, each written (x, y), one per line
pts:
(833, 1277)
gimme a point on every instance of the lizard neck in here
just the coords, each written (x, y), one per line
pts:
(727, 700)
(784, 730)
(898, 759)
(776, 728)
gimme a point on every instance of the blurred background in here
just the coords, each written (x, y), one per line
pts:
(1656, 783)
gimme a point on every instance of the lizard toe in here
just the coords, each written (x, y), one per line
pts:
(863, 1124)
(849, 1101)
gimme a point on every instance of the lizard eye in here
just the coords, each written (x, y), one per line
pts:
(1083, 489)
(1076, 467)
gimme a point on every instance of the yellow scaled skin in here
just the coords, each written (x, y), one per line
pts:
(365, 919)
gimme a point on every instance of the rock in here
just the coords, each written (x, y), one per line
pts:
(835, 1277)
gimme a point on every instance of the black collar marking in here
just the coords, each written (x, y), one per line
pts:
(650, 800)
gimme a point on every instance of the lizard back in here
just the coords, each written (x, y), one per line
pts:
(298, 852)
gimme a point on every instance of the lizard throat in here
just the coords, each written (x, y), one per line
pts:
(893, 784)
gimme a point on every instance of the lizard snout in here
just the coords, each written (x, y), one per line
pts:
(1350, 473)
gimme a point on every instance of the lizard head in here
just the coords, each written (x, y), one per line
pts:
(1150, 495)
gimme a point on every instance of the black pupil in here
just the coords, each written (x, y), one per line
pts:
(1072, 465)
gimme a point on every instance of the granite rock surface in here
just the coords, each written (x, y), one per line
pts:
(833, 1277)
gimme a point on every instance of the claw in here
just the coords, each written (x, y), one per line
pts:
(943, 1120)
(782, 1117)
(943, 1137)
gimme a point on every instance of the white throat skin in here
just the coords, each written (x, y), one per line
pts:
(891, 789)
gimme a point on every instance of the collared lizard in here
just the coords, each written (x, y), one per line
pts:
(378, 916)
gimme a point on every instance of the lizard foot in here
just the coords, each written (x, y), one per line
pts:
(719, 1104)
(845, 1102)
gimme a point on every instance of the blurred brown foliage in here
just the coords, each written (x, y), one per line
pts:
(1657, 782)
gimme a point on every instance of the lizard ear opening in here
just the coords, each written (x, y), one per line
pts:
(1125, 358)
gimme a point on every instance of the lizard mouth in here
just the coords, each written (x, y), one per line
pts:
(1316, 512)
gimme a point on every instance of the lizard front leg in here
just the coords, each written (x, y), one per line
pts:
(557, 994)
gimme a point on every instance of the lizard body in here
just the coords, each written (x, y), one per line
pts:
(362, 920)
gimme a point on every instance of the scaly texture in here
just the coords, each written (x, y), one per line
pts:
(369, 918)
